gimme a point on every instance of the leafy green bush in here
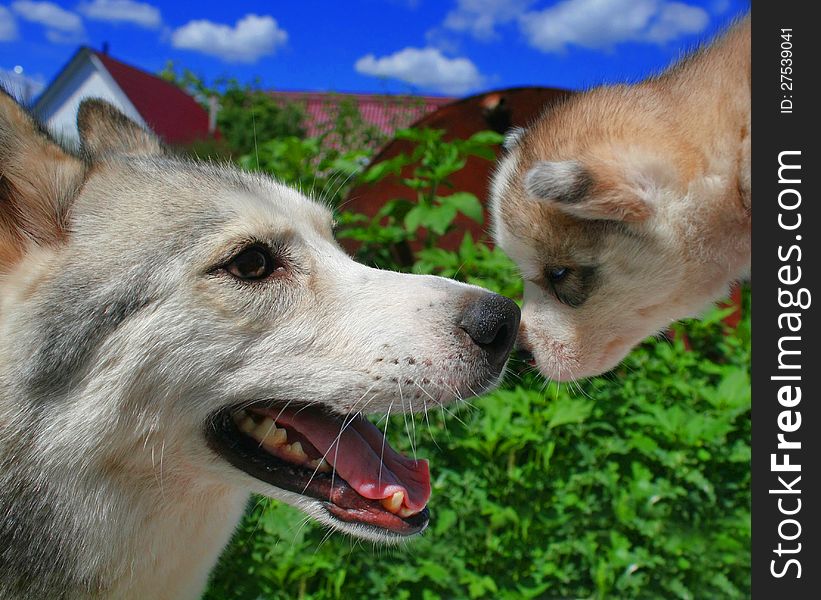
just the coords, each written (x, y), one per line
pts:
(424, 214)
(631, 485)
(326, 166)
(246, 114)
(306, 164)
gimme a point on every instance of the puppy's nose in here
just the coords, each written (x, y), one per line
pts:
(492, 322)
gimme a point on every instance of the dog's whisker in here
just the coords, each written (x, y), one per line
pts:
(405, 419)
(413, 422)
(424, 391)
(335, 444)
(303, 522)
(270, 429)
(454, 415)
(328, 533)
(257, 522)
(427, 420)
(162, 455)
(384, 438)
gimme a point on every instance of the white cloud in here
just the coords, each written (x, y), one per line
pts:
(250, 38)
(424, 67)
(677, 19)
(62, 26)
(8, 25)
(123, 11)
(602, 24)
(50, 15)
(481, 17)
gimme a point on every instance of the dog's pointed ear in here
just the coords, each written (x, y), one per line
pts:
(104, 130)
(38, 181)
(575, 190)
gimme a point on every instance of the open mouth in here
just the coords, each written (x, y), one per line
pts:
(343, 462)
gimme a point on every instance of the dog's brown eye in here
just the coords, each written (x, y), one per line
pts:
(253, 263)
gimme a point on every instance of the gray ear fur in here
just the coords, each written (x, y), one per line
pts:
(105, 130)
(512, 137)
(564, 181)
(569, 186)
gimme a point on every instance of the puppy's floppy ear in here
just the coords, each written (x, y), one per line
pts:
(105, 130)
(38, 181)
(577, 191)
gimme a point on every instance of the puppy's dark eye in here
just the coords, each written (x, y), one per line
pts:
(557, 275)
(253, 263)
(570, 285)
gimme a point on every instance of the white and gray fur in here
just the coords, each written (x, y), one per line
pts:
(120, 335)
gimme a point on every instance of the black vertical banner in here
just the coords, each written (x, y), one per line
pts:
(786, 561)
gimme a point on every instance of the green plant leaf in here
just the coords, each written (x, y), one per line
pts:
(466, 203)
(382, 169)
(438, 218)
(567, 411)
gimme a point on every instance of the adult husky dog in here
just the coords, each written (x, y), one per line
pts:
(175, 336)
(627, 207)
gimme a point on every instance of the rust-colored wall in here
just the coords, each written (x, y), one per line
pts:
(499, 110)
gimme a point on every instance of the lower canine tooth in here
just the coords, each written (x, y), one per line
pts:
(406, 512)
(394, 503)
(320, 465)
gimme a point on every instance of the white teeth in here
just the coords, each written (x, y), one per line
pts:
(268, 433)
(393, 503)
(276, 439)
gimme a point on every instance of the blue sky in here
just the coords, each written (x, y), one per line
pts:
(452, 47)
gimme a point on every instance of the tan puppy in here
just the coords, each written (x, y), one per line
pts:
(628, 207)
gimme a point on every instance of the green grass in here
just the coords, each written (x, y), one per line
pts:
(631, 485)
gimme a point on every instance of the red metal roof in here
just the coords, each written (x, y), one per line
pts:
(169, 112)
(387, 112)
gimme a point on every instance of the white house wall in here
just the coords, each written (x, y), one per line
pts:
(86, 80)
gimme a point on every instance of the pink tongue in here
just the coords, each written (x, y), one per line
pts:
(356, 452)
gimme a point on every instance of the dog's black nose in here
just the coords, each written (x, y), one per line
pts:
(492, 321)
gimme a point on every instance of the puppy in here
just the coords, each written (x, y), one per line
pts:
(175, 336)
(627, 207)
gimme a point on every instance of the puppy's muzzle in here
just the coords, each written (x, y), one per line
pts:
(492, 321)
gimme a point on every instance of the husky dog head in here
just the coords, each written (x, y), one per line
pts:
(174, 332)
(628, 207)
